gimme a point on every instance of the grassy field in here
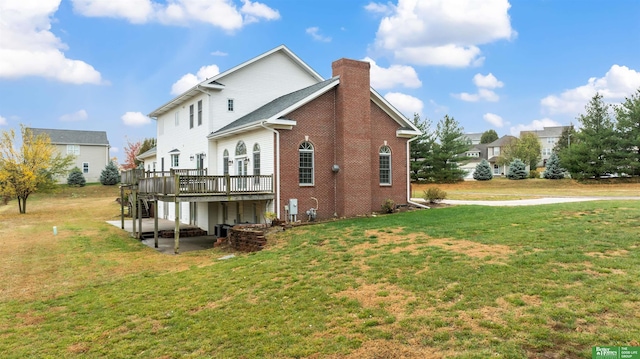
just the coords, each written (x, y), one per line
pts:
(505, 189)
(458, 282)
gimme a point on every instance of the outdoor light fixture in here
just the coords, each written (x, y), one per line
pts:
(191, 157)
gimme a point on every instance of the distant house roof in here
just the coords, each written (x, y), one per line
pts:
(502, 141)
(555, 131)
(73, 137)
(279, 105)
(146, 154)
(473, 137)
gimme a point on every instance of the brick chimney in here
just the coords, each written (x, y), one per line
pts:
(353, 137)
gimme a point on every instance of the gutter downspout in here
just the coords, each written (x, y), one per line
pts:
(409, 177)
(277, 171)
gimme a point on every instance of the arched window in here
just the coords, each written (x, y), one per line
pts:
(225, 162)
(256, 159)
(305, 176)
(241, 148)
(385, 165)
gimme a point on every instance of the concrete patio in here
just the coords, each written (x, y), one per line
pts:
(166, 245)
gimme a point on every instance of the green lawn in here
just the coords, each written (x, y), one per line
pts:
(459, 282)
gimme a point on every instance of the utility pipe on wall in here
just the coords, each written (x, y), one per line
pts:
(409, 176)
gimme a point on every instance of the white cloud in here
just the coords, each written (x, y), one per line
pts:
(29, 48)
(618, 83)
(135, 119)
(219, 13)
(534, 125)
(219, 53)
(378, 8)
(442, 32)
(494, 119)
(315, 34)
(189, 80)
(488, 81)
(80, 115)
(484, 83)
(406, 104)
(394, 75)
(3, 121)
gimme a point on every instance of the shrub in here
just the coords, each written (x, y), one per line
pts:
(517, 170)
(434, 195)
(76, 178)
(110, 175)
(483, 171)
(388, 206)
(534, 174)
(553, 170)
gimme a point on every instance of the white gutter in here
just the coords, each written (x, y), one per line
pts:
(277, 171)
(409, 176)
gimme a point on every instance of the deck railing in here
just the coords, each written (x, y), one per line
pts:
(195, 182)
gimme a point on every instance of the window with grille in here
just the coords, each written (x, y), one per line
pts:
(385, 165)
(199, 112)
(305, 176)
(73, 150)
(175, 160)
(256, 159)
(85, 167)
(230, 105)
(190, 116)
(225, 162)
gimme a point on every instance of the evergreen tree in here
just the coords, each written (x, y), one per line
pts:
(553, 170)
(420, 147)
(592, 154)
(110, 175)
(568, 135)
(489, 136)
(628, 129)
(443, 162)
(76, 178)
(517, 170)
(483, 171)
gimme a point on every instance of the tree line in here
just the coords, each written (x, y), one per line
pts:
(607, 142)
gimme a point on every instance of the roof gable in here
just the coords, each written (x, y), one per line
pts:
(217, 82)
(76, 137)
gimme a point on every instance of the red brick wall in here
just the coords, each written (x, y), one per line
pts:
(347, 129)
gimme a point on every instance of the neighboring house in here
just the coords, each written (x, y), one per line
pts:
(473, 138)
(493, 153)
(475, 154)
(90, 148)
(548, 138)
(149, 160)
(271, 135)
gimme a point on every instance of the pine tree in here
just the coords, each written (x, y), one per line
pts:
(628, 129)
(517, 170)
(447, 154)
(420, 147)
(76, 178)
(110, 175)
(483, 171)
(553, 170)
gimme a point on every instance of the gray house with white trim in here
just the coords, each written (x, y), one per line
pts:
(90, 148)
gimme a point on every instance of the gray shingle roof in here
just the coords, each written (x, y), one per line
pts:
(277, 105)
(75, 137)
(502, 141)
(555, 131)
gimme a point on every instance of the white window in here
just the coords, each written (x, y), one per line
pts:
(85, 167)
(256, 159)
(305, 175)
(199, 112)
(496, 151)
(175, 160)
(191, 116)
(385, 165)
(230, 105)
(551, 140)
(496, 169)
(225, 162)
(546, 151)
(73, 150)
(177, 118)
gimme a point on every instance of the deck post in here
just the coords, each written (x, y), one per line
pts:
(121, 207)
(134, 209)
(155, 223)
(176, 233)
(139, 218)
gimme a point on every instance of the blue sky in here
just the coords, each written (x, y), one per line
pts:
(491, 64)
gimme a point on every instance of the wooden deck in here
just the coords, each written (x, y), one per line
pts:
(190, 183)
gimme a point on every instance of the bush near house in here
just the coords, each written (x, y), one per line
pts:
(434, 195)
(483, 171)
(110, 175)
(76, 178)
(388, 206)
(517, 170)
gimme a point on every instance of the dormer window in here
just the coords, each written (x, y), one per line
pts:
(230, 105)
